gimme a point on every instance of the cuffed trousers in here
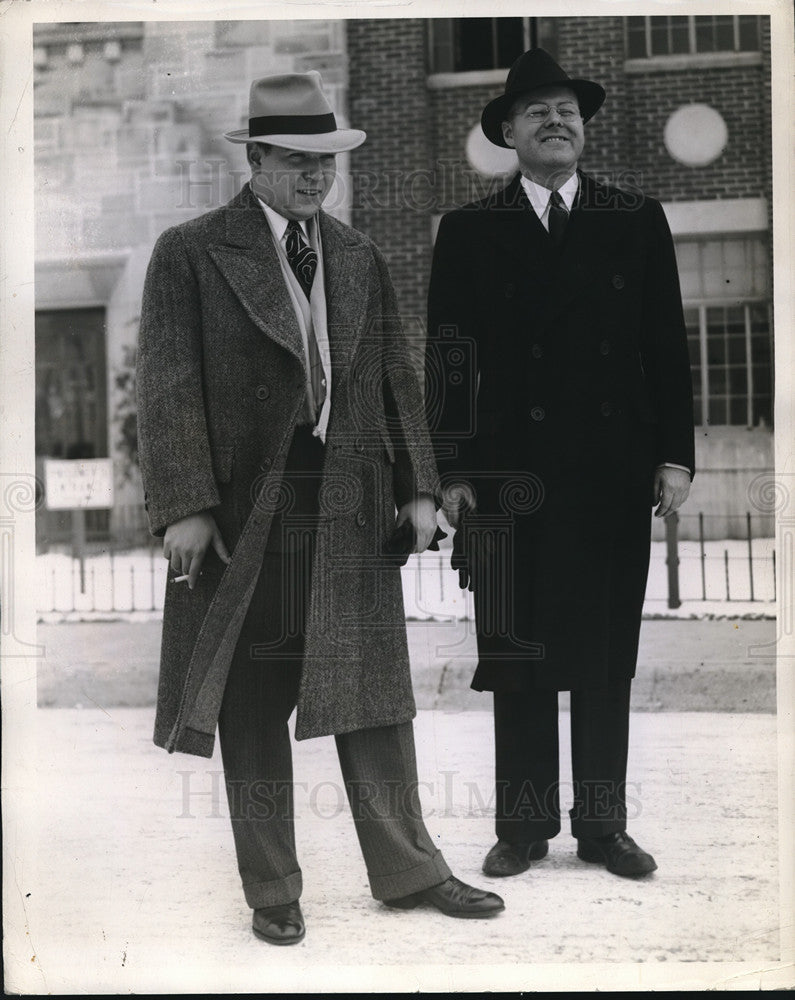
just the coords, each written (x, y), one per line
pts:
(378, 765)
(527, 766)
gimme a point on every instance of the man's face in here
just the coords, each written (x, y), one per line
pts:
(291, 182)
(548, 150)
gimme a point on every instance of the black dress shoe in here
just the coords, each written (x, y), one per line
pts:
(454, 898)
(513, 859)
(283, 924)
(618, 852)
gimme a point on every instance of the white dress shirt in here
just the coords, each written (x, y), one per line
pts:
(539, 196)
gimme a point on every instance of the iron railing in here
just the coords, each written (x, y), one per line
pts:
(116, 578)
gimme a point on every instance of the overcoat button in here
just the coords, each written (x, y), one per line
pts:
(265, 464)
(361, 520)
(537, 413)
(358, 444)
(605, 409)
(263, 392)
(618, 281)
(604, 347)
(537, 351)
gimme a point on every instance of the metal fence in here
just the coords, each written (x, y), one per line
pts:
(731, 570)
(118, 579)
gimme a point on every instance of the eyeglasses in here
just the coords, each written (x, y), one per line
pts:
(540, 112)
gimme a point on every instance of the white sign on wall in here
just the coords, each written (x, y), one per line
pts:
(78, 483)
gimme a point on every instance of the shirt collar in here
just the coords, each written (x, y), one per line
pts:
(538, 195)
(278, 223)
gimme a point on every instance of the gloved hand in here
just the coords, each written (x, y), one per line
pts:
(473, 547)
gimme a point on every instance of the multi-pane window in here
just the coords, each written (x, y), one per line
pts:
(683, 34)
(463, 44)
(725, 290)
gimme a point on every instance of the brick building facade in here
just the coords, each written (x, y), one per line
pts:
(129, 120)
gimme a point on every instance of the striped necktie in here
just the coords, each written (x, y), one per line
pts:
(303, 261)
(558, 217)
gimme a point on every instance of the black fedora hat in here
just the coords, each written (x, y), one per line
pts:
(536, 68)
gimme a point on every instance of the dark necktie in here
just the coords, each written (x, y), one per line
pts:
(303, 260)
(558, 217)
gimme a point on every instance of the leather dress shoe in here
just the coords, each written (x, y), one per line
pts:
(618, 852)
(454, 898)
(282, 924)
(513, 859)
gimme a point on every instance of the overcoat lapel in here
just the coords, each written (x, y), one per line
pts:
(346, 261)
(519, 238)
(526, 255)
(524, 248)
(249, 263)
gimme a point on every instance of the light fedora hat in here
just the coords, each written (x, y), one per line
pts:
(536, 68)
(292, 111)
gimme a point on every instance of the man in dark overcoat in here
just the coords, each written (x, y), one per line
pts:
(559, 398)
(280, 426)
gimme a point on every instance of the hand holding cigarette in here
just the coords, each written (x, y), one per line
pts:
(186, 543)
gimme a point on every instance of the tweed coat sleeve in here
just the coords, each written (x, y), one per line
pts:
(415, 468)
(173, 442)
(668, 363)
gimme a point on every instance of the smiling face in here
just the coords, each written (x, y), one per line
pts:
(291, 182)
(548, 151)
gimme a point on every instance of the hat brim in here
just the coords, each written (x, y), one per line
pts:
(339, 141)
(590, 97)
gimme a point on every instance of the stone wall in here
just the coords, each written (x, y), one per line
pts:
(129, 122)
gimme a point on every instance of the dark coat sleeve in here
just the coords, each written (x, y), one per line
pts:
(451, 357)
(667, 361)
(173, 443)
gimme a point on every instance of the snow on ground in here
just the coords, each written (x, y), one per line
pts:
(131, 584)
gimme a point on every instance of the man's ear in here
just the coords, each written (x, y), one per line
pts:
(507, 134)
(253, 154)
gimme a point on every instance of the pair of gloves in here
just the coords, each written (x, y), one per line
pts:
(402, 541)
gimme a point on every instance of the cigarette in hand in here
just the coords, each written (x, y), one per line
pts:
(180, 579)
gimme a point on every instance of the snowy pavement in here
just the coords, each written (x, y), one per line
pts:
(128, 883)
(722, 665)
(121, 873)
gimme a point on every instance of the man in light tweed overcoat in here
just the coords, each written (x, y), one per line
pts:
(281, 427)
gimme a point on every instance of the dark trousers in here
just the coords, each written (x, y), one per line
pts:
(527, 767)
(378, 765)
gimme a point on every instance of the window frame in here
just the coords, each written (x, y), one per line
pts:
(703, 299)
(436, 77)
(671, 62)
(746, 303)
